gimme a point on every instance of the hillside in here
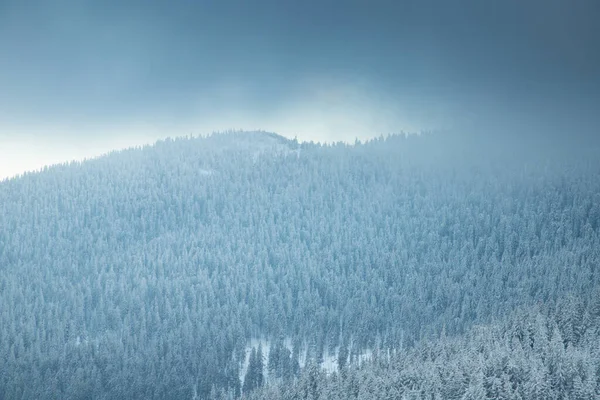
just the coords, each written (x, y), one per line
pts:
(537, 354)
(145, 274)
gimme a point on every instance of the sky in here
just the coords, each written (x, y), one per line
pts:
(79, 77)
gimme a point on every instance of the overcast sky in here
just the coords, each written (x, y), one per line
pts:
(78, 78)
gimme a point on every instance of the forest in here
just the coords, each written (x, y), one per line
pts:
(236, 264)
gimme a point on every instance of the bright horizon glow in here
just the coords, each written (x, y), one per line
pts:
(27, 153)
(80, 79)
(327, 112)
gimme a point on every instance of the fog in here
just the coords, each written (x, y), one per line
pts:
(81, 78)
(317, 109)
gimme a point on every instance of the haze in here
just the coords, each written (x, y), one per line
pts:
(80, 78)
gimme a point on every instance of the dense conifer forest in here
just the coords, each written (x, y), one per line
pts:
(465, 268)
(537, 354)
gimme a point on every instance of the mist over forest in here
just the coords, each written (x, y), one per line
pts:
(248, 264)
(399, 199)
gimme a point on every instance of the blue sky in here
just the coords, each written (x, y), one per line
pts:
(79, 77)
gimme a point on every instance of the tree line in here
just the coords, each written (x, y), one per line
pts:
(144, 273)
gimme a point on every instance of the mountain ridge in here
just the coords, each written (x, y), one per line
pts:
(118, 271)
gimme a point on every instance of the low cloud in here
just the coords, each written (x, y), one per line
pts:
(317, 109)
